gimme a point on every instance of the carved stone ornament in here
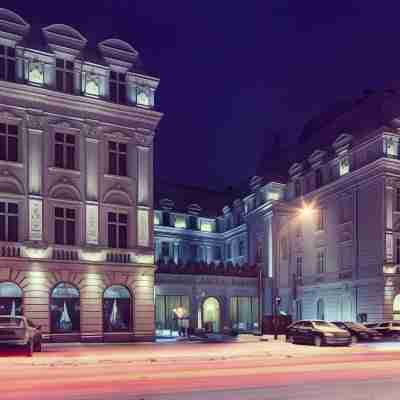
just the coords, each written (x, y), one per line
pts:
(34, 121)
(5, 115)
(143, 140)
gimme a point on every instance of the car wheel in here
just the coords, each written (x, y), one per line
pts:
(38, 346)
(317, 341)
(354, 339)
(29, 349)
(289, 339)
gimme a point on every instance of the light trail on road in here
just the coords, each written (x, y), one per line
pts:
(112, 377)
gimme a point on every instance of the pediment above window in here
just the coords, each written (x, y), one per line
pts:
(118, 54)
(317, 157)
(117, 196)
(10, 184)
(64, 40)
(342, 143)
(65, 191)
(296, 169)
(12, 27)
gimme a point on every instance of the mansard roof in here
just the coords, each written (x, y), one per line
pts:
(185, 197)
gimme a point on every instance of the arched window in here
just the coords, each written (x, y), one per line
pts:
(212, 314)
(65, 309)
(10, 299)
(396, 307)
(117, 309)
(320, 309)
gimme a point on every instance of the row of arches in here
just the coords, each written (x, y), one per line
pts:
(64, 307)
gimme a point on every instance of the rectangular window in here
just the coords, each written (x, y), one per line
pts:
(117, 230)
(397, 251)
(217, 253)
(318, 178)
(165, 249)
(118, 87)
(321, 262)
(299, 267)
(65, 76)
(241, 248)
(193, 252)
(64, 226)
(229, 250)
(8, 142)
(193, 223)
(297, 188)
(344, 166)
(7, 63)
(64, 151)
(320, 220)
(118, 154)
(8, 222)
(397, 199)
(166, 219)
(244, 313)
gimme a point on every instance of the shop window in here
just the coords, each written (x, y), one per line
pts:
(320, 309)
(117, 309)
(65, 309)
(244, 313)
(172, 313)
(396, 308)
(10, 299)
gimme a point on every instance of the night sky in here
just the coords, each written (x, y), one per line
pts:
(234, 73)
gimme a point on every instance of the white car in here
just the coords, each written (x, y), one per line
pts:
(18, 331)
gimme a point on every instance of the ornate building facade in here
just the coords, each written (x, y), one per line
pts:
(76, 184)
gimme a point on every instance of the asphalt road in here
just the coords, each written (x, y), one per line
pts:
(245, 371)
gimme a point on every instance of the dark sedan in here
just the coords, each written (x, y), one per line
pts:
(317, 333)
(359, 332)
(389, 329)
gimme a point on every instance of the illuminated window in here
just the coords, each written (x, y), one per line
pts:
(64, 226)
(65, 75)
(8, 142)
(390, 147)
(65, 309)
(244, 313)
(64, 152)
(344, 166)
(7, 63)
(396, 308)
(117, 158)
(117, 306)
(118, 87)
(156, 219)
(273, 196)
(36, 72)
(206, 226)
(166, 319)
(180, 221)
(10, 299)
(142, 97)
(117, 230)
(90, 84)
(8, 222)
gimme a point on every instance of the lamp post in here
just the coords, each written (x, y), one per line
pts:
(304, 212)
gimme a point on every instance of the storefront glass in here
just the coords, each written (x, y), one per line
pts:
(117, 309)
(10, 299)
(244, 313)
(167, 322)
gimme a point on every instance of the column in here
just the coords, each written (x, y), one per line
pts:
(388, 198)
(92, 206)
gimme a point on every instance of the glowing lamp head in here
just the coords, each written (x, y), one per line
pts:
(306, 211)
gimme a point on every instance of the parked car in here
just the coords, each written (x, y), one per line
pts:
(20, 331)
(358, 332)
(371, 325)
(389, 329)
(317, 333)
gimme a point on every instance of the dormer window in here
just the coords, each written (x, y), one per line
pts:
(344, 166)
(142, 97)
(118, 87)
(36, 72)
(7, 63)
(390, 147)
(65, 75)
(90, 84)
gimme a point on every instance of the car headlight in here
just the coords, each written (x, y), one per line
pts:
(328, 334)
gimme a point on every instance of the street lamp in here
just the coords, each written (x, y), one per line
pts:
(305, 212)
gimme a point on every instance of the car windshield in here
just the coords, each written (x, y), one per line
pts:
(11, 322)
(396, 324)
(323, 324)
(355, 326)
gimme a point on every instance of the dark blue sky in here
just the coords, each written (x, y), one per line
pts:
(235, 72)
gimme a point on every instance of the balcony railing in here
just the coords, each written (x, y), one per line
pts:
(65, 253)
(118, 257)
(10, 250)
